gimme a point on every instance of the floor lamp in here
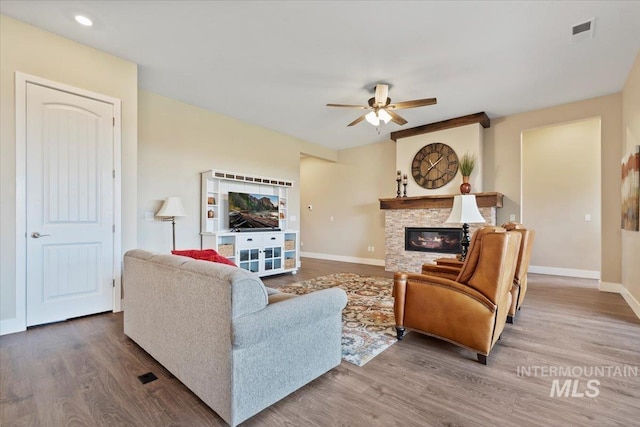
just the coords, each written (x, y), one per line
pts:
(465, 211)
(171, 208)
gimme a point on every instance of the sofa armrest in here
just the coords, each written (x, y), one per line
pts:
(277, 319)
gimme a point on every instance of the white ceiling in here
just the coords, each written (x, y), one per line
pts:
(277, 63)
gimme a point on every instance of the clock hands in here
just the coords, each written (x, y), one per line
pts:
(433, 165)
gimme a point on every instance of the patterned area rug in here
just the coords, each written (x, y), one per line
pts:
(368, 325)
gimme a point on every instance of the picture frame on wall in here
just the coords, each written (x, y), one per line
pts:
(630, 173)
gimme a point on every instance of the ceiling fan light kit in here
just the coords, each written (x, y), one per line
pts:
(382, 108)
(375, 117)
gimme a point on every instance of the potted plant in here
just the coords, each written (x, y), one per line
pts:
(467, 164)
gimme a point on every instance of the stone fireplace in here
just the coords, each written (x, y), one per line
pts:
(424, 211)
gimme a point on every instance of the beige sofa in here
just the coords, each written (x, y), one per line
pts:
(236, 344)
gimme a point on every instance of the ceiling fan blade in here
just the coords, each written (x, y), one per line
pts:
(363, 107)
(413, 104)
(358, 120)
(382, 92)
(396, 118)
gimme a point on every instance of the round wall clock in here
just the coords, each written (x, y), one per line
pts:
(434, 165)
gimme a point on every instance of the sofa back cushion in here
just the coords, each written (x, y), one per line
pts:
(248, 293)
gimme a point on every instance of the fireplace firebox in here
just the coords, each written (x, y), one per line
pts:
(429, 239)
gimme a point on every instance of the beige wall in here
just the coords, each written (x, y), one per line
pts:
(463, 139)
(33, 51)
(177, 141)
(502, 153)
(347, 190)
(631, 126)
(560, 185)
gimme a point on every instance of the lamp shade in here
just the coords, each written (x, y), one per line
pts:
(171, 207)
(465, 210)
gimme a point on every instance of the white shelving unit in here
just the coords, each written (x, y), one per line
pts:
(261, 252)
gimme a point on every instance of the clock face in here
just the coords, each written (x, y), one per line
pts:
(434, 165)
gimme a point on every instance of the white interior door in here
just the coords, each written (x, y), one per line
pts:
(69, 204)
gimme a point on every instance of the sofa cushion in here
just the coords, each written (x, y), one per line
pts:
(204, 254)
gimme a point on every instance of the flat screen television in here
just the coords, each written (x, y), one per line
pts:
(253, 211)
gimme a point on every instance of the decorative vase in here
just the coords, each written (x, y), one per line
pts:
(465, 187)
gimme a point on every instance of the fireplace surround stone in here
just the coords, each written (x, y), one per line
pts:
(424, 211)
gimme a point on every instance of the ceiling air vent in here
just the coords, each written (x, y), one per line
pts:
(582, 31)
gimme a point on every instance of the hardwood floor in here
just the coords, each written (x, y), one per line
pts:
(84, 372)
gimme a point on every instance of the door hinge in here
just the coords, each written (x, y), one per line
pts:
(113, 228)
(114, 121)
(114, 174)
(114, 283)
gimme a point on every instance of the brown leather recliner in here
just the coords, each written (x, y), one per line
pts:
(471, 310)
(519, 288)
(451, 267)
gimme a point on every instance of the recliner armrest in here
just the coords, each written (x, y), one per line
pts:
(277, 319)
(445, 271)
(427, 280)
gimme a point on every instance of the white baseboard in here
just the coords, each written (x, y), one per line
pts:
(570, 272)
(618, 288)
(615, 288)
(632, 301)
(356, 260)
(11, 326)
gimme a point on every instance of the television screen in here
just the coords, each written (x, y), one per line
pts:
(249, 210)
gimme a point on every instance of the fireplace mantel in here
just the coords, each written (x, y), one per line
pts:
(484, 200)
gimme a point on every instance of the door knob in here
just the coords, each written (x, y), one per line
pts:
(37, 235)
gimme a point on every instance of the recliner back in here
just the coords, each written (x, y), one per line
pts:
(526, 245)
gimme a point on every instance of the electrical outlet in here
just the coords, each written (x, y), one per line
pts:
(370, 248)
(331, 217)
(292, 218)
(512, 217)
(148, 216)
(587, 217)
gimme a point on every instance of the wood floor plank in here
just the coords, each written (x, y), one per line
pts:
(83, 372)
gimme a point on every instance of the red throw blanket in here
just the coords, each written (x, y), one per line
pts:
(205, 254)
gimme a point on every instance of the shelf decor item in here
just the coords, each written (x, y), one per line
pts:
(404, 184)
(467, 164)
(398, 179)
(226, 250)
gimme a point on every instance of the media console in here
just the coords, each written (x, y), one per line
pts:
(262, 251)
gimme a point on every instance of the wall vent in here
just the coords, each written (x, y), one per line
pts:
(582, 31)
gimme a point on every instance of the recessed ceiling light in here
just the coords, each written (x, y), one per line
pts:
(83, 20)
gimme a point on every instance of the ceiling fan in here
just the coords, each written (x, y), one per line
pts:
(382, 109)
